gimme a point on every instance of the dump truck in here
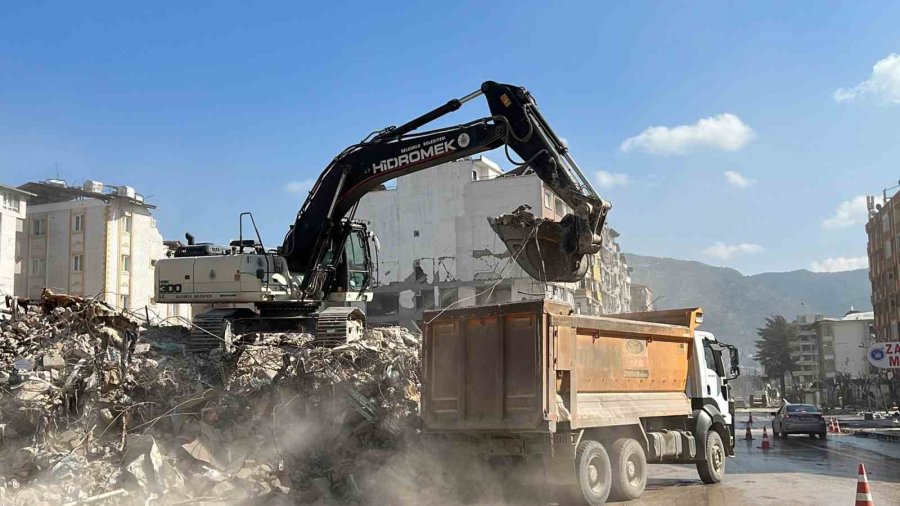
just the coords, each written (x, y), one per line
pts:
(591, 400)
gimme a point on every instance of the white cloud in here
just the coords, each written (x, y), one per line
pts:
(299, 187)
(883, 84)
(848, 213)
(609, 179)
(738, 179)
(724, 251)
(725, 132)
(838, 264)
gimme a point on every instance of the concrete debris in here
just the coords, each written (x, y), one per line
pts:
(97, 408)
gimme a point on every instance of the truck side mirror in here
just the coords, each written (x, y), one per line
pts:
(735, 361)
(261, 274)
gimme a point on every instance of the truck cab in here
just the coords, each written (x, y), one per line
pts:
(708, 377)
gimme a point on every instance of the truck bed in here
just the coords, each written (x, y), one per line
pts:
(530, 366)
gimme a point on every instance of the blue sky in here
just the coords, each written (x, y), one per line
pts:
(219, 107)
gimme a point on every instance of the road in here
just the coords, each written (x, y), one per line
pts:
(798, 470)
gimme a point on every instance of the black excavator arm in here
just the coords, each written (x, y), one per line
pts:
(547, 250)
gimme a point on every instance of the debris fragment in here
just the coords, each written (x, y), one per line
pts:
(98, 409)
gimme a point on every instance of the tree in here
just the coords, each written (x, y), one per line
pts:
(773, 349)
(842, 383)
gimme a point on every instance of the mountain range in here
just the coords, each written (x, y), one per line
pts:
(735, 305)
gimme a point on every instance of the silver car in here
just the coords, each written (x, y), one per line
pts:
(798, 419)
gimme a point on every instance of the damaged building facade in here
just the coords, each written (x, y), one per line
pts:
(13, 202)
(92, 240)
(438, 248)
(615, 276)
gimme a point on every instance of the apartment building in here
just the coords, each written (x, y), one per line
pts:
(438, 249)
(615, 276)
(843, 344)
(883, 230)
(93, 240)
(13, 202)
(805, 350)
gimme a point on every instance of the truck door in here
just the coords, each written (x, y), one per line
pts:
(713, 377)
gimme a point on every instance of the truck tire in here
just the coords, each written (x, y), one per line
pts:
(629, 470)
(593, 475)
(712, 468)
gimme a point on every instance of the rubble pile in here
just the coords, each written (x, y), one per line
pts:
(96, 408)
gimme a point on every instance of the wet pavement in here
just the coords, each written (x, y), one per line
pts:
(799, 470)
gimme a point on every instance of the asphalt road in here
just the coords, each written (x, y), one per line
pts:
(798, 470)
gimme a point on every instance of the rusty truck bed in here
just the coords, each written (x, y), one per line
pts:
(530, 366)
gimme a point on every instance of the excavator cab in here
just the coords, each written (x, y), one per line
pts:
(355, 271)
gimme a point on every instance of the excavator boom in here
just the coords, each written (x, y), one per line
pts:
(547, 250)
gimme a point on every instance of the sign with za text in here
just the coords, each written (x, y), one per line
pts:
(885, 355)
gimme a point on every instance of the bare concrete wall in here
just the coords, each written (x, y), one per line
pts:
(437, 245)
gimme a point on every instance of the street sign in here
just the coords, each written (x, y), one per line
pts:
(885, 355)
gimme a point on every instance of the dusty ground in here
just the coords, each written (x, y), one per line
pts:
(797, 471)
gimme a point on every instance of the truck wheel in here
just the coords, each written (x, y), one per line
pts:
(593, 474)
(712, 468)
(629, 470)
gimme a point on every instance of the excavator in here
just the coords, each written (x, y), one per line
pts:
(324, 265)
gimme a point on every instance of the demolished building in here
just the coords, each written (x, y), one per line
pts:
(98, 406)
(439, 250)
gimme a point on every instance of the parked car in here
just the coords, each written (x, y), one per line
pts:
(798, 419)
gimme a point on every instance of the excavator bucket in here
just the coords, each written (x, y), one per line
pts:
(545, 249)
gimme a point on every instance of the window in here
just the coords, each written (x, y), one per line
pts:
(474, 175)
(10, 202)
(126, 224)
(78, 223)
(548, 200)
(78, 263)
(124, 301)
(39, 226)
(708, 355)
(126, 263)
(37, 266)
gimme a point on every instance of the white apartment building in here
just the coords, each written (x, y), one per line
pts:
(12, 224)
(437, 247)
(94, 240)
(845, 342)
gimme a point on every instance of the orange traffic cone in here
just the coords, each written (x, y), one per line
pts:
(747, 435)
(831, 425)
(837, 426)
(765, 439)
(751, 418)
(863, 494)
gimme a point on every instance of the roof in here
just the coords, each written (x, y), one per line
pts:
(47, 193)
(16, 190)
(868, 315)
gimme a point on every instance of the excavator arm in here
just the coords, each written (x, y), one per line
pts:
(550, 251)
